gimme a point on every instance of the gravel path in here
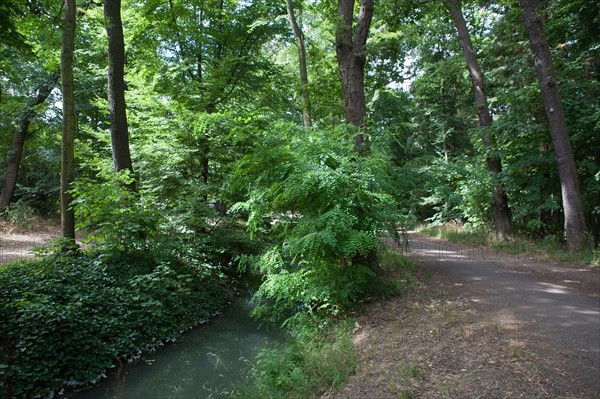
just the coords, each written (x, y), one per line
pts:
(478, 324)
(556, 306)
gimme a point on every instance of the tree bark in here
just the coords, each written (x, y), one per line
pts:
(595, 222)
(18, 142)
(575, 227)
(119, 133)
(500, 207)
(69, 125)
(351, 56)
(302, 62)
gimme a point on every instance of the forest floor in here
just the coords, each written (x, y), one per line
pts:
(479, 324)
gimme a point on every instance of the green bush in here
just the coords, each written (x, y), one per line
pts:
(322, 208)
(305, 366)
(21, 216)
(111, 215)
(65, 319)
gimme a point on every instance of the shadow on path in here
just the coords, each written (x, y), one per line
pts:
(550, 310)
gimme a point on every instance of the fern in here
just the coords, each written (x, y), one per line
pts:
(322, 209)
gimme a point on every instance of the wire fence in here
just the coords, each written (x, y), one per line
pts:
(10, 251)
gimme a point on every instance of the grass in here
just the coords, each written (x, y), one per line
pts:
(411, 371)
(549, 248)
(319, 356)
(307, 365)
(458, 233)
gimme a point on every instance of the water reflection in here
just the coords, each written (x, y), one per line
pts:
(205, 363)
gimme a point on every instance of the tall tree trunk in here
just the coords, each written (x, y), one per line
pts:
(500, 200)
(119, 133)
(351, 57)
(571, 195)
(69, 125)
(595, 222)
(18, 142)
(302, 60)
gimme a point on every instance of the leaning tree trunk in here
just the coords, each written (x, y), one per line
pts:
(18, 142)
(494, 165)
(302, 60)
(351, 57)
(119, 133)
(69, 125)
(571, 195)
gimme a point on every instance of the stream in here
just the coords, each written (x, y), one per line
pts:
(205, 362)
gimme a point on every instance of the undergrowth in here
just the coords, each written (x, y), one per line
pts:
(309, 363)
(66, 318)
(319, 355)
(548, 248)
(323, 213)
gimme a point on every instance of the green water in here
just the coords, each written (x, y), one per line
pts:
(205, 362)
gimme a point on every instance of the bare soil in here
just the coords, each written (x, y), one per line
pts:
(19, 242)
(453, 336)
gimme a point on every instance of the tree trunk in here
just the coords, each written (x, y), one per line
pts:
(351, 57)
(500, 200)
(595, 223)
(302, 60)
(571, 195)
(18, 142)
(119, 134)
(69, 125)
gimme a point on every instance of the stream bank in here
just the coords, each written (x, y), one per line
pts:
(205, 362)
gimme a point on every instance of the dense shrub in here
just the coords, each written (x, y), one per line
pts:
(305, 366)
(65, 318)
(321, 208)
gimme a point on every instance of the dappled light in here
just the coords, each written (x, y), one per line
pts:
(399, 188)
(551, 316)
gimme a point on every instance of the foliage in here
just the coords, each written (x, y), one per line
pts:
(111, 214)
(445, 190)
(458, 233)
(323, 211)
(66, 318)
(548, 248)
(21, 216)
(204, 80)
(306, 365)
(212, 124)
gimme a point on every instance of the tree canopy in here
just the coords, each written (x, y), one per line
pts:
(192, 131)
(202, 80)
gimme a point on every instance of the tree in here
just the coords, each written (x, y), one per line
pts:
(18, 142)
(302, 63)
(69, 121)
(9, 32)
(119, 133)
(207, 57)
(571, 196)
(500, 200)
(350, 46)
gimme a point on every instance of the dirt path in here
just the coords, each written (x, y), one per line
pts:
(18, 244)
(483, 325)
